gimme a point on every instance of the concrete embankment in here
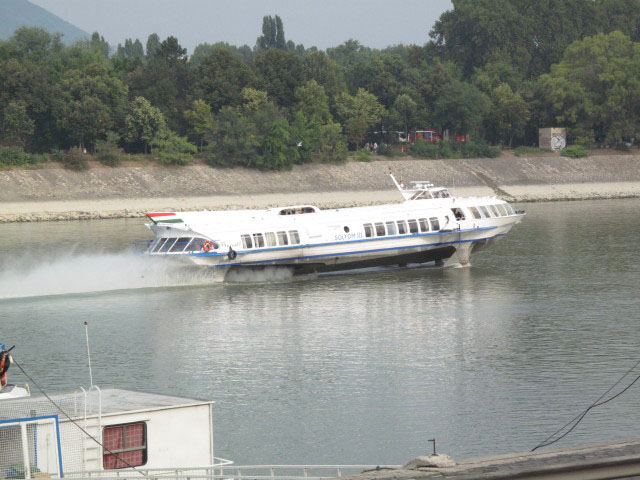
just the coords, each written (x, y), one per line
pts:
(59, 194)
(604, 461)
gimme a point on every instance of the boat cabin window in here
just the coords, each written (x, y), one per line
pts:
(422, 195)
(196, 245)
(246, 241)
(475, 212)
(126, 445)
(295, 237)
(424, 226)
(271, 239)
(167, 245)
(435, 224)
(484, 210)
(502, 210)
(379, 229)
(413, 226)
(494, 210)
(296, 210)
(258, 240)
(368, 230)
(391, 228)
(180, 244)
(509, 209)
(402, 227)
(159, 245)
(458, 213)
(282, 238)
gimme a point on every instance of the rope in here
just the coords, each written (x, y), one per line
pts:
(577, 419)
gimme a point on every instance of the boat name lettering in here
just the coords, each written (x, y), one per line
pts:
(348, 236)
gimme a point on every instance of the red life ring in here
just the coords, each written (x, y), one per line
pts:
(207, 246)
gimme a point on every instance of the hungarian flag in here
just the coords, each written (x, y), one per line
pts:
(165, 217)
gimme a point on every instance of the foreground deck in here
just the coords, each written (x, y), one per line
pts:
(603, 461)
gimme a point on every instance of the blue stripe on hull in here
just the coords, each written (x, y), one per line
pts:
(359, 252)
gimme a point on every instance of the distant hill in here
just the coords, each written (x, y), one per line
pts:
(19, 13)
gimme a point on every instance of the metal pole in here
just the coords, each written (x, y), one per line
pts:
(86, 331)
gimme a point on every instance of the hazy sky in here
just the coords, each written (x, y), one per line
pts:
(323, 23)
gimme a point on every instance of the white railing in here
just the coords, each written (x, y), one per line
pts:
(225, 470)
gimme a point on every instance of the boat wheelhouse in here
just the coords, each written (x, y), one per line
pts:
(430, 225)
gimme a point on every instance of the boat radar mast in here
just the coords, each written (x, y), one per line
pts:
(420, 190)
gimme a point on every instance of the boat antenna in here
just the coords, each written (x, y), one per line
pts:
(86, 332)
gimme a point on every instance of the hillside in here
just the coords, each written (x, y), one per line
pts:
(18, 13)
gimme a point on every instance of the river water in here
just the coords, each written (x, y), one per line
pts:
(355, 368)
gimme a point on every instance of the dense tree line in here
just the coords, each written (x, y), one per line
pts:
(493, 69)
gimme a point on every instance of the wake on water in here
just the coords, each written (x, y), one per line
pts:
(96, 272)
(29, 275)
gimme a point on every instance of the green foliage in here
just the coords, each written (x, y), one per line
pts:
(313, 102)
(15, 156)
(272, 34)
(523, 151)
(171, 149)
(143, 123)
(277, 151)
(279, 74)
(423, 149)
(362, 155)
(387, 150)
(510, 113)
(75, 159)
(359, 113)
(279, 103)
(199, 119)
(57, 155)
(331, 146)
(461, 108)
(108, 151)
(595, 89)
(449, 149)
(16, 126)
(575, 151)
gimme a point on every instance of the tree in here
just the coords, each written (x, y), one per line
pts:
(280, 73)
(165, 81)
(99, 45)
(331, 144)
(277, 149)
(272, 34)
(219, 78)
(595, 89)
(359, 113)
(199, 119)
(461, 108)
(171, 51)
(85, 119)
(313, 102)
(319, 67)
(510, 113)
(153, 44)
(95, 100)
(232, 140)
(143, 123)
(529, 35)
(404, 111)
(108, 151)
(16, 126)
(171, 149)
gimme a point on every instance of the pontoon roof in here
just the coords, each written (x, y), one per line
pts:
(114, 401)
